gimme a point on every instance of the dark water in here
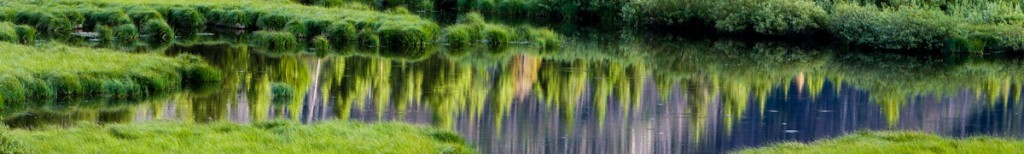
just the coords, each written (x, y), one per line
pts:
(621, 96)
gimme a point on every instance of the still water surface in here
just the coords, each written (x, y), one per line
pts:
(619, 96)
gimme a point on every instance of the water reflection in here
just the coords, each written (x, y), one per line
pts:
(619, 96)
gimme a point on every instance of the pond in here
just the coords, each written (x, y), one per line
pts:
(630, 94)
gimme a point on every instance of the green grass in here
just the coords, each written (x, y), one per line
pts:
(472, 28)
(261, 137)
(26, 34)
(896, 142)
(158, 30)
(58, 71)
(126, 33)
(396, 27)
(275, 40)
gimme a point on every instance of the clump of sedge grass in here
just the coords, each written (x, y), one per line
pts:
(275, 40)
(368, 38)
(185, 18)
(126, 33)
(158, 30)
(896, 142)
(321, 44)
(26, 34)
(341, 33)
(225, 137)
(55, 71)
(105, 33)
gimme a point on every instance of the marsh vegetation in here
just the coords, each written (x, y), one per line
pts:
(617, 76)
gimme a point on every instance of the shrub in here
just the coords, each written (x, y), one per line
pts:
(157, 30)
(275, 41)
(496, 35)
(26, 34)
(341, 32)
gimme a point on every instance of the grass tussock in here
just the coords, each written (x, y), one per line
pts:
(395, 27)
(57, 71)
(158, 30)
(473, 28)
(956, 26)
(261, 137)
(275, 40)
(895, 142)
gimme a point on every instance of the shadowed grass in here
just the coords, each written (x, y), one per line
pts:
(262, 137)
(896, 142)
(57, 71)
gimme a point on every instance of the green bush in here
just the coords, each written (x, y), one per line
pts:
(275, 41)
(157, 30)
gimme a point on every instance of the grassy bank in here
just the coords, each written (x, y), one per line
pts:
(896, 142)
(162, 20)
(263, 137)
(57, 71)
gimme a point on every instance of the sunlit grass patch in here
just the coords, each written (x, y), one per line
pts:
(261, 137)
(896, 142)
(53, 70)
